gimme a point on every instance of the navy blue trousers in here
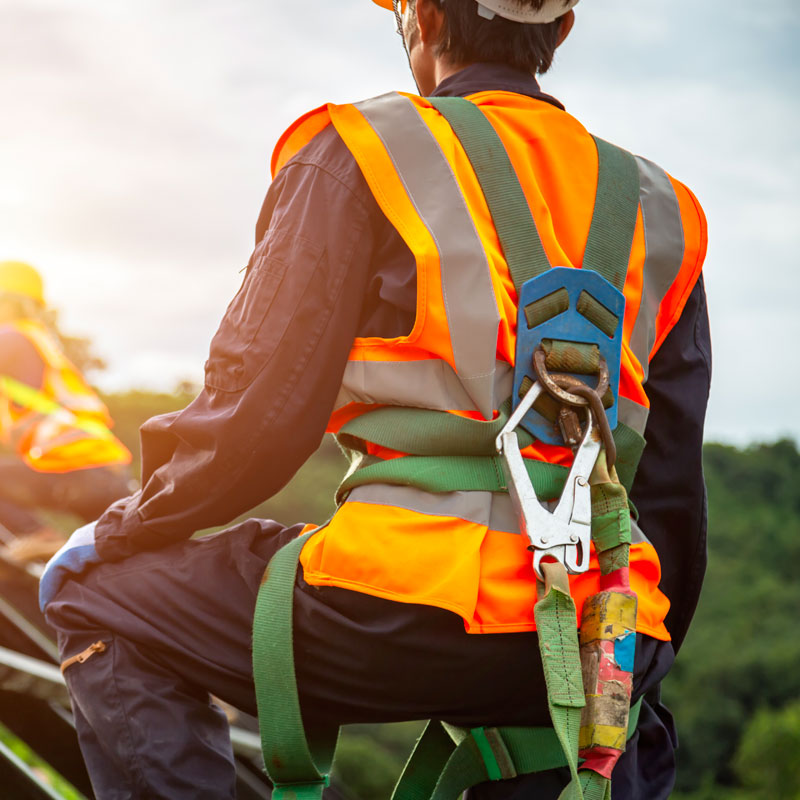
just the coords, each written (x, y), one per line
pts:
(177, 624)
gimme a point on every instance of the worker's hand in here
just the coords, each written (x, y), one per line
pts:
(77, 553)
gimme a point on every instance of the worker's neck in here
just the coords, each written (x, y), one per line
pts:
(444, 69)
(440, 69)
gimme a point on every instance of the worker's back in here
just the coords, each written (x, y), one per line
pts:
(460, 353)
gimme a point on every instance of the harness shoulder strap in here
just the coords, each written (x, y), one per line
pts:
(510, 212)
(616, 206)
(608, 245)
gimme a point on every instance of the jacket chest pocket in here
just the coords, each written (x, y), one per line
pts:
(258, 316)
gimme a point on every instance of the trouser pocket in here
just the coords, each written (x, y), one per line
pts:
(100, 720)
(145, 733)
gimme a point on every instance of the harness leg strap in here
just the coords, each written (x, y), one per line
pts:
(298, 767)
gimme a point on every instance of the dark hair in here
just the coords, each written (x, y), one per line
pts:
(468, 38)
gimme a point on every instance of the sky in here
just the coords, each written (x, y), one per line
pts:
(136, 136)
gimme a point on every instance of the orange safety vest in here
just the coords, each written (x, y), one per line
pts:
(462, 551)
(63, 425)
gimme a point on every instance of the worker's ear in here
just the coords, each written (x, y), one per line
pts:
(567, 21)
(430, 19)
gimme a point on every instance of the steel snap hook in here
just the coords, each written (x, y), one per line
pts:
(564, 534)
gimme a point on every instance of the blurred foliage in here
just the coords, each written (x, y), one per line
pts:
(78, 349)
(742, 652)
(41, 769)
(735, 688)
(131, 409)
(354, 752)
(768, 758)
(370, 758)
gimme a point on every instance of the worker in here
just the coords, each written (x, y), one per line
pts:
(381, 280)
(58, 453)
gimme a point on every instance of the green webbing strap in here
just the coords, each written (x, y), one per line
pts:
(424, 432)
(555, 617)
(633, 717)
(438, 441)
(440, 474)
(446, 760)
(597, 313)
(510, 211)
(593, 787)
(561, 356)
(630, 446)
(616, 206)
(298, 768)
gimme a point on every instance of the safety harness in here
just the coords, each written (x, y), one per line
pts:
(569, 327)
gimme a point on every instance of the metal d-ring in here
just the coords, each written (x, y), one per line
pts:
(549, 383)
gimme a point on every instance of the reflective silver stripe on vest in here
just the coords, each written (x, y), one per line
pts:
(637, 534)
(423, 384)
(472, 314)
(664, 245)
(490, 509)
(632, 414)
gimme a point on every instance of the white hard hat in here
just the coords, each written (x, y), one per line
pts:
(511, 9)
(521, 12)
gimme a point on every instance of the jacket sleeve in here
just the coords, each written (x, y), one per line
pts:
(273, 373)
(669, 490)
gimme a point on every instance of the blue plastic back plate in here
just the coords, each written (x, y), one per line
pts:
(571, 326)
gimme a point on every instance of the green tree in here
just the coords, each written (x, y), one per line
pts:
(131, 409)
(739, 654)
(366, 770)
(767, 760)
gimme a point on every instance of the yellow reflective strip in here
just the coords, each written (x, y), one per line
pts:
(26, 396)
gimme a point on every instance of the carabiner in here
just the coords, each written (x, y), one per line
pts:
(564, 534)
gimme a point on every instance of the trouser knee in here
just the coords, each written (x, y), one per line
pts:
(143, 732)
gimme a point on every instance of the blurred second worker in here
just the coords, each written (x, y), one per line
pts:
(57, 451)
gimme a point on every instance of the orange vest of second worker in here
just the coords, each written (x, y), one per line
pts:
(462, 551)
(62, 425)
